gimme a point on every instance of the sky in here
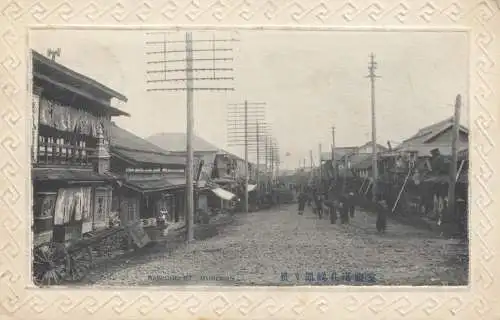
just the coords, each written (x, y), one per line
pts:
(309, 80)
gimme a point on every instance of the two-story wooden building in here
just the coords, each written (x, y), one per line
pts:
(70, 164)
(153, 179)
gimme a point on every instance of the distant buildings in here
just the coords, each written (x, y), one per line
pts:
(218, 165)
(434, 136)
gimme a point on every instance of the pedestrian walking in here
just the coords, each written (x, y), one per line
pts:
(333, 212)
(381, 223)
(344, 210)
(302, 202)
(352, 207)
(319, 205)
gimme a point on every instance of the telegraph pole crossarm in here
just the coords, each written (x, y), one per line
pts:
(175, 65)
(243, 124)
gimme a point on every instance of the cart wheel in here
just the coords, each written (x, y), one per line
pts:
(79, 264)
(49, 263)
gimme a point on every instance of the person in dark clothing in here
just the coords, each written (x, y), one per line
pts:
(319, 204)
(332, 208)
(309, 197)
(350, 202)
(344, 210)
(381, 223)
(302, 202)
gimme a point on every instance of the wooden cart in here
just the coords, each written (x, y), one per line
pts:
(56, 262)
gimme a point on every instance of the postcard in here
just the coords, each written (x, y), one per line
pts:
(249, 159)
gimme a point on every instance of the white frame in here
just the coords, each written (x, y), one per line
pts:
(18, 297)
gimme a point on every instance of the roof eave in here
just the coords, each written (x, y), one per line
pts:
(110, 110)
(115, 153)
(77, 76)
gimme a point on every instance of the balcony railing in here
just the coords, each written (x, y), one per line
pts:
(58, 151)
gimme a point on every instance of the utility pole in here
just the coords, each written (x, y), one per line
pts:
(189, 137)
(320, 164)
(165, 69)
(241, 119)
(454, 156)
(273, 156)
(266, 157)
(257, 134)
(333, 154)
(258, 146)
(246, 156)
(272, 163)
(312, 165)
(346, 168)
(371, 68)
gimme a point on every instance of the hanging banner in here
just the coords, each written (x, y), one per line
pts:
(69, 119)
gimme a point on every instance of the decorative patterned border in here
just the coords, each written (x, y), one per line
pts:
(16, 300)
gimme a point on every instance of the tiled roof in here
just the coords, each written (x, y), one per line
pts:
(422, 141)
(69, 174)
(339, 153)
(52, 68)
(380, 148)
(126, 144)
(176, 142)
(156, 184)
(361, 161)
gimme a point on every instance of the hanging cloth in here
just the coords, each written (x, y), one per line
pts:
(87, 203)
(65, 204)
(46, 112)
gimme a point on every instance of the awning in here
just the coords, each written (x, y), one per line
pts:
(251, 187)
(69, 175)
(223, 194)
(155, 184)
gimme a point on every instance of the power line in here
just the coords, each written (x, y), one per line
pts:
(240, 116)
(160, 50)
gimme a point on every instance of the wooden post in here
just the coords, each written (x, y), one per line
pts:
(312, 165)
(257, 178)
(372, 77)
(246, 156)
(454, 156)
(346, 163)
(320, 167)
(189, 141)
(333, 154)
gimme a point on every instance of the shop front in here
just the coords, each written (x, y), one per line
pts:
(65, 204)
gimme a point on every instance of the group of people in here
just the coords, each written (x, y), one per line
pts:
(344, 206)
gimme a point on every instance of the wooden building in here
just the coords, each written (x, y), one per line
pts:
(153, 179)
(417, 170)
(70, 134)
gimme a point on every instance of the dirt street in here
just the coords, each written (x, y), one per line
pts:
(279, 247)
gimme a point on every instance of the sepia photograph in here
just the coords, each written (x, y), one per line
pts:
(249, 157)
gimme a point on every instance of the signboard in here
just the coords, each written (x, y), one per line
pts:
(137, 233)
